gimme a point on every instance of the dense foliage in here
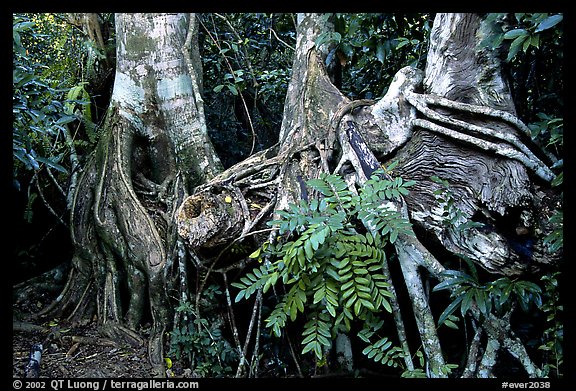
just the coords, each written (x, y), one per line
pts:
(54, 66)
(372, 47)
(533, 50)
(38, 108)
(55, 111)
(246, 60)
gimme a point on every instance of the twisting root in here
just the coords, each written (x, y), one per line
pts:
(473, 133)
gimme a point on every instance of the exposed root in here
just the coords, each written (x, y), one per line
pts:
(476, 135)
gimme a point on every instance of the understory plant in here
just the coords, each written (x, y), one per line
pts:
(330, 266)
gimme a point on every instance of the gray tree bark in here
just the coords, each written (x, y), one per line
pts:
(154, 148)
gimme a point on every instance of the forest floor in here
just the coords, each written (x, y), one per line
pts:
(73, 351)
(78, 353)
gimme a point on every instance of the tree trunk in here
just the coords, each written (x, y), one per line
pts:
(154, 148)
(482, 156)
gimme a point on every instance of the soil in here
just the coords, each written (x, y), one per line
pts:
(74, 351)
(91, 357)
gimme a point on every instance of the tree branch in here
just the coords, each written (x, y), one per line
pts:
(281, 41)
(255, 360)
(231, 315)
(246, 110)
(397, 315)
(489, 358)
(471, 361)
(75, 167)
(241, 366)
(46, 204)
(410, 256)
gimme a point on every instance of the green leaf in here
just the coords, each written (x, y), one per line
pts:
(232, 89)
(319, 295)
(393, 236)
(357, 307)
(558, 180)
(347, 294)
(381, 52)
(321, 336)
(310, 346)
(515, 46)
(300, 255)
(239, 296)
(362, 281)
(327, 38)
(256, 253)
(310, 337)
(449, 283)
(331, 309)
(481, 301)
(535, 40)
(332, 273)
(515, 33)
(386, 305)
(450, 309)
(51, 164)
(467, 301)
(363, 294)
(65, 119)
(386, 346)
(549, 22)
(293, 311)
(314, 241)
(308, 250)
(451, 324)
(402, 42)
(343, 263)
(351, 300)
(529, 286)
(503, 298)
(526, 45)
(368, 305)
(272, 278)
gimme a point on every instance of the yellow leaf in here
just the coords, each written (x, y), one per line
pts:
(228, 199)
(168, 362)
(253, 205)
